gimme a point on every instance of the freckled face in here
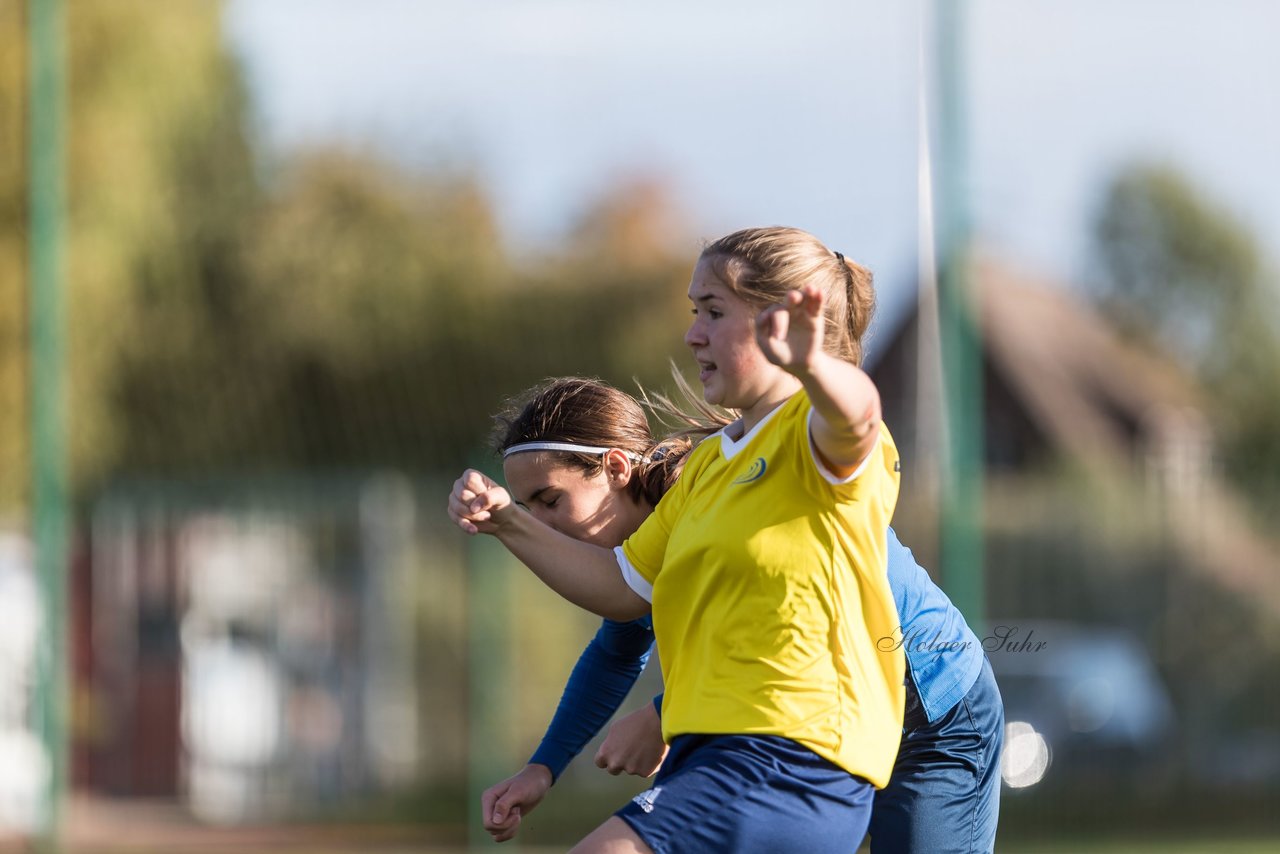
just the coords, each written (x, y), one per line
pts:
(732, 368)
(594, 509)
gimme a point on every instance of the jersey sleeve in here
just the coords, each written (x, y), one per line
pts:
(605, 672)
(641, 553)
(876, 477)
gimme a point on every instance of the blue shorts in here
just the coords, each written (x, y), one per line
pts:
(749, 793)
(944, 794)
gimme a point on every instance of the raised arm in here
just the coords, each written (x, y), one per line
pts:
(846, 404)
(584, 574)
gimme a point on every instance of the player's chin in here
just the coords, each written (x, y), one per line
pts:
(712, 392)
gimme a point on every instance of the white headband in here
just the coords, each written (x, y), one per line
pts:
(567, 446)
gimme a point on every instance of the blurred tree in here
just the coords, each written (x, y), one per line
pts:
(399, 323)
(160, 187)
(360, 273)
(637, 232)
(13, 239)
(338, 312)
(1177, 268)
(162, 195)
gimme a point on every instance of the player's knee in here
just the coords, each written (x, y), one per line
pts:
(615, 836)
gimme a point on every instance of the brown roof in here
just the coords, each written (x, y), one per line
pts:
(1081, 381)
(1087, 388)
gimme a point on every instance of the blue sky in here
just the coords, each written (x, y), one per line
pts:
(802, 113)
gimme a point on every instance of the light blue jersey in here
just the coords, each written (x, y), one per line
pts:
(944, 656)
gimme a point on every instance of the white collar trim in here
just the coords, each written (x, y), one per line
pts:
(729, 448)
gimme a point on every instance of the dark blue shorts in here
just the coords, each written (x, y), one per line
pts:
(944, 794)
(749, 793)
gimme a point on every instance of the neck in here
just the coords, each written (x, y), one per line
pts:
(638, 510)
(769, 401)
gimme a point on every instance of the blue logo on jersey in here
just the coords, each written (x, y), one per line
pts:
(755, 472)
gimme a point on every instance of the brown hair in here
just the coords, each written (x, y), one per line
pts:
(584, 411)
(761, 264)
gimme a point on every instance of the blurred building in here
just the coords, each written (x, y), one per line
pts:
(252, 646)
(1068, 397)
(24, 766)
(1105, 516)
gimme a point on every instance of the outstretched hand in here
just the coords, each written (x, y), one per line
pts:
(790, 332)
(478, 504)
(503, 805)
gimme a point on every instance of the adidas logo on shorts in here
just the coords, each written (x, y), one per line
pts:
(645, 799)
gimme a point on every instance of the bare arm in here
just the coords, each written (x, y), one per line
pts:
(586, 575)
(846, 404)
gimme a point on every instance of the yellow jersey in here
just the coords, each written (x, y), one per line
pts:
(769, 583)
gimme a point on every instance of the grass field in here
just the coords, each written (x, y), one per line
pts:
(112, 827)
(1203, 846)
(1090, 846)
(1101, 846)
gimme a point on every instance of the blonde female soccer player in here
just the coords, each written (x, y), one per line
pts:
(579, 455)
(764, 567)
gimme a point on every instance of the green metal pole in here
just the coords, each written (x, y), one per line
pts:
(48, 467)
(489, 673)
(961, 523)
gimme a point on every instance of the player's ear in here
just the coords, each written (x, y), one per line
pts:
(617, 465)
